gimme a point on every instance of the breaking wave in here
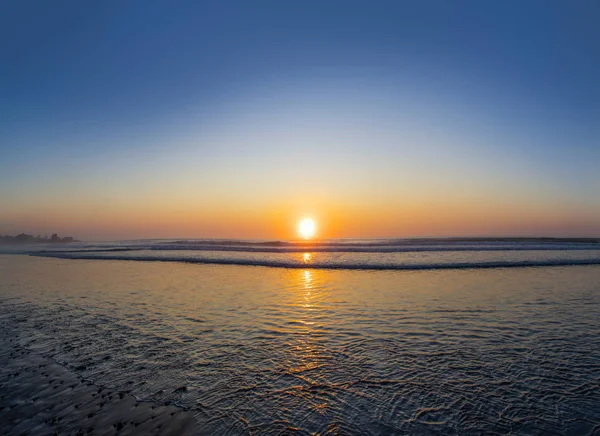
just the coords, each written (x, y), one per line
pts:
(331, 265)
(383, 254)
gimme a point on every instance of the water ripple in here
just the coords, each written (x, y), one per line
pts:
(324, 352)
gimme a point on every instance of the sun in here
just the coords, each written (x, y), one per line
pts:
(307, 228)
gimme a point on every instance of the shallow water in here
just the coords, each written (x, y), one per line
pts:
(270, 350)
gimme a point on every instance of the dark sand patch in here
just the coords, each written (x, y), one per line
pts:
(40, 397)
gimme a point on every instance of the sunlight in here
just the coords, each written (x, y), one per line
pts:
(307, 228)
(307, 289)
(307, 280)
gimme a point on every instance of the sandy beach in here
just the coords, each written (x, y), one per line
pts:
(41, 397)
(113, 347)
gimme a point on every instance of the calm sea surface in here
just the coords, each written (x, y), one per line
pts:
(269, 350)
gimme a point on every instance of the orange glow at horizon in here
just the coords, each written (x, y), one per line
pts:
(274, 218)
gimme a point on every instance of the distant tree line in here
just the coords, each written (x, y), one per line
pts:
(24, 238)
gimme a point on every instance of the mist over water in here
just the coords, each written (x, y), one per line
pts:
(276, 350)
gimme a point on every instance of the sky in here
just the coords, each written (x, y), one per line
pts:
(149, 119)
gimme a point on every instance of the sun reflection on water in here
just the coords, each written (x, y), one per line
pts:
(307, 277)
(309, 356)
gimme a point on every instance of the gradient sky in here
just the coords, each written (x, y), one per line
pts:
(147, 119)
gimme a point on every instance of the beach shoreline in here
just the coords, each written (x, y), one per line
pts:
(39, 396)
(230, 351)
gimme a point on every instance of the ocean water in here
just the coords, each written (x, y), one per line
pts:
(344, 342)
(382, 254)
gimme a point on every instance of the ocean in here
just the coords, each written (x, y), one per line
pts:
(334, 337)
(374, 254)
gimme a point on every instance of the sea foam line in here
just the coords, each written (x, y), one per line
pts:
(366, 248)
(328, 265)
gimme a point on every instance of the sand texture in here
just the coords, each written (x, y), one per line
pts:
(40, 397)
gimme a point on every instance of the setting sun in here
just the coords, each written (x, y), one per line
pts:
(307, 228)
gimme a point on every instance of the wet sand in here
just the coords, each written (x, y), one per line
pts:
(275, 351)
(38, 396)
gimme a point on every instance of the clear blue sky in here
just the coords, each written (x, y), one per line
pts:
(146, 118)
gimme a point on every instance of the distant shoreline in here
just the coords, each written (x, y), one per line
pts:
(26, 239)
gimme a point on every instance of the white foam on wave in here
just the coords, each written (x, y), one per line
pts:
(379, 254)
(291, 263)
